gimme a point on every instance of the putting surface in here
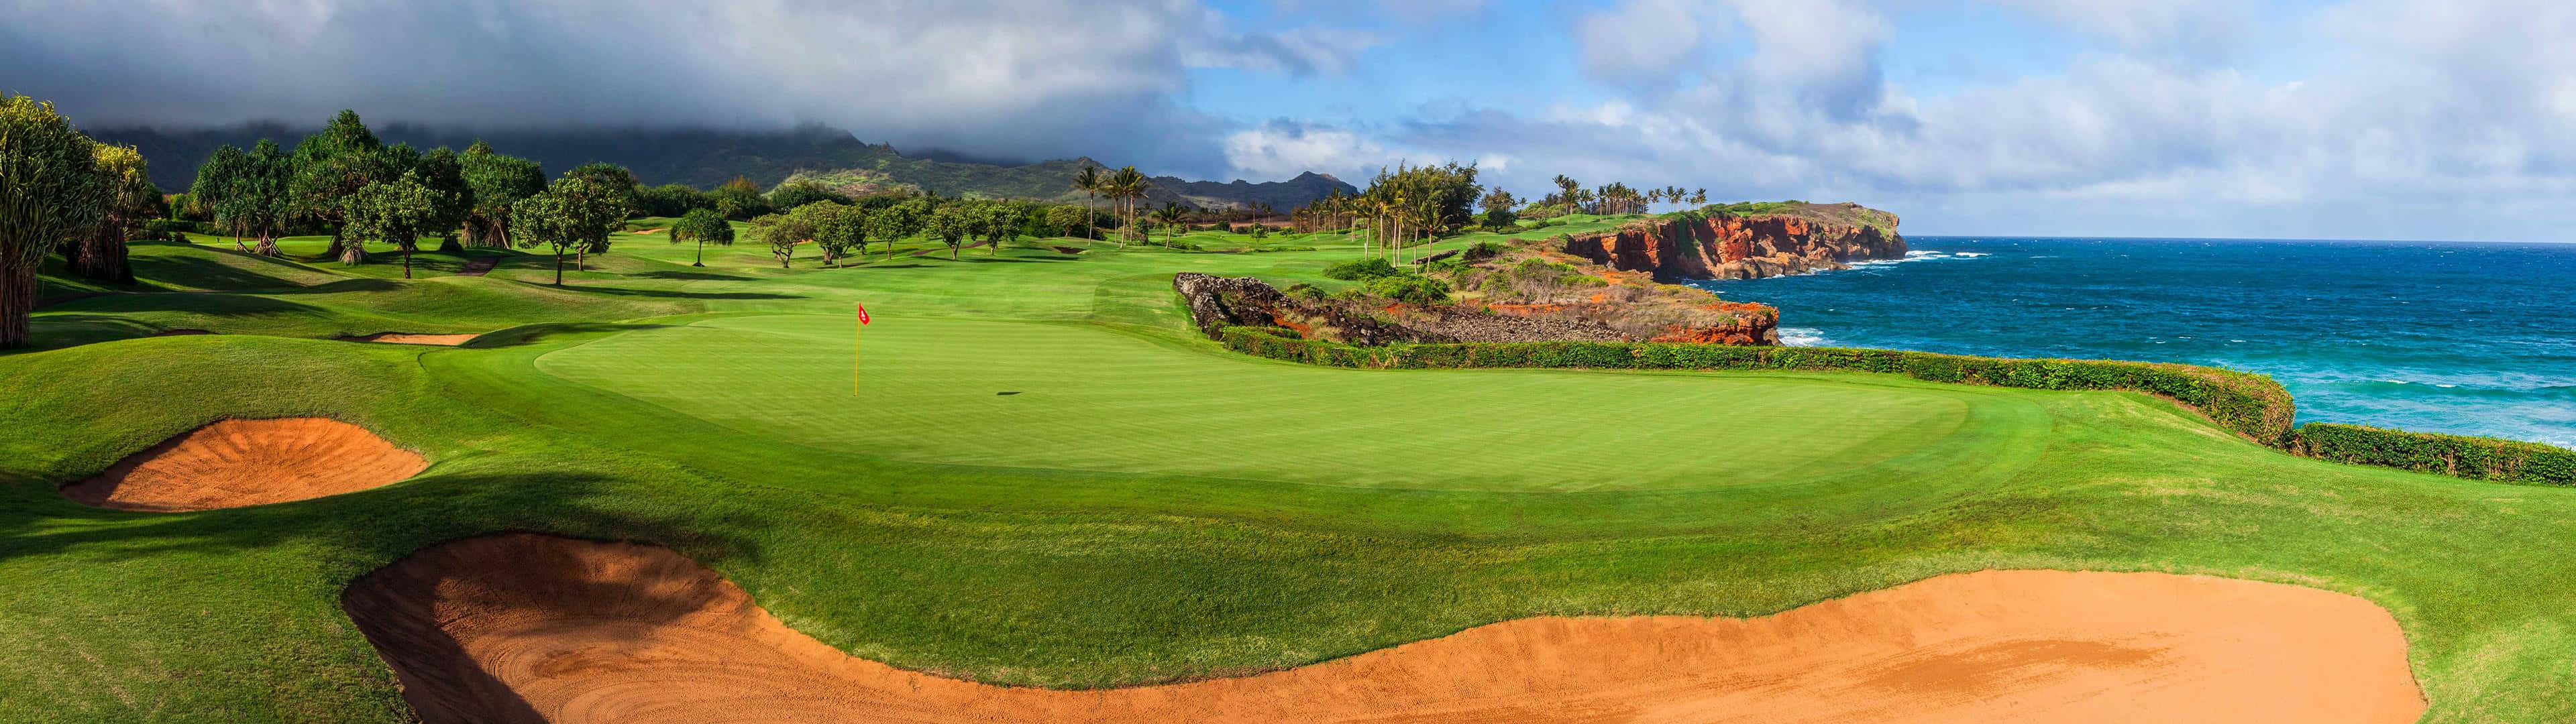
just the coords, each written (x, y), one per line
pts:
(1085, 398)
(529, 628)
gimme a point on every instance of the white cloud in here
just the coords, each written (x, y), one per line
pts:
(2419, 120)
(1281, 149)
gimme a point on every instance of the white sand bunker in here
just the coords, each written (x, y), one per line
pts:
(524, 627)
(234, 463)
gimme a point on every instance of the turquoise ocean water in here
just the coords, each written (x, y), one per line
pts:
(2476, 339)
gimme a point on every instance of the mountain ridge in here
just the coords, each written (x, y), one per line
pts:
(704, 158)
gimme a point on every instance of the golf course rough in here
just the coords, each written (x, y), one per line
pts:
(234, 463)
(530, 628)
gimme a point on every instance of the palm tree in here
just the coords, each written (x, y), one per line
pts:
(1570, 188)
(1699, 197)
(1170, 217)
(1128, 185)
(1088, 181)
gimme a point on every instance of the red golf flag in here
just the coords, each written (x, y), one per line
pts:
(863, 313)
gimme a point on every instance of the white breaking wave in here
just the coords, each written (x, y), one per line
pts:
(1918, 255)
(1803, 337)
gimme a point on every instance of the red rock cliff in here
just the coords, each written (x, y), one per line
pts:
(1796, 239)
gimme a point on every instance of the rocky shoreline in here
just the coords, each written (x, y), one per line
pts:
(1781, 239)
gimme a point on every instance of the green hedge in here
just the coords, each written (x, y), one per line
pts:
(2252, 405)
(2481, 458)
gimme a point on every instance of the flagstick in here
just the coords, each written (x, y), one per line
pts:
(856, 328)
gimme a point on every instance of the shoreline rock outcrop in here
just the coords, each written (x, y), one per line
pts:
(1782, 239)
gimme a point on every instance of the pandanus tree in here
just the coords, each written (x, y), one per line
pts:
(451, 199)
(332, 165)
(50, 190)
(703, 226)
(127, 198)
(498, 183)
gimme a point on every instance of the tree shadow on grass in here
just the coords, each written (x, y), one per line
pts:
(1018, 260)
(532, 333)
(692, 276)
(672, 293)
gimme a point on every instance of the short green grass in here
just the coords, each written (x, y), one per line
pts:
(1150, 507)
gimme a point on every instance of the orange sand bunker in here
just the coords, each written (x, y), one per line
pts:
(234, 463)
(443, 340)
(523, 627)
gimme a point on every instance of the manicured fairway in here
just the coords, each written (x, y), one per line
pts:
(1150, 508)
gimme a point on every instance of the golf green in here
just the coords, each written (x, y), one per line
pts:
(1081, 397)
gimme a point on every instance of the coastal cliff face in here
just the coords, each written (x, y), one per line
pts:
(1796, 239)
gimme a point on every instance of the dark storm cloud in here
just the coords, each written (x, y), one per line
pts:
(1010, 78)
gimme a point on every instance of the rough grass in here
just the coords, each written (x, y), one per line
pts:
(1151, 508)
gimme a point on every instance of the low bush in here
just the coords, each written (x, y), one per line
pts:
(2481, 458)
(2251, 405)
(1361, 269)
(1410, 289)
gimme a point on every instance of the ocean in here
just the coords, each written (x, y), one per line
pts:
(2472, 339)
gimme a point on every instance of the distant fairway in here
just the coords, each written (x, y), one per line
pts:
(1096, 400)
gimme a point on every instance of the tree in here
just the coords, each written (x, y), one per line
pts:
(788, 196)
(393, 212)
(899, 221)
(498, 183)
(330, 166)
(617, 188)
(1000, 221)
(783, 232)
(451, 199)
(1088, 181)
(1128, 186)
(1699, 197)
(567, 216)
(838, 228)
(126, 200)
(702, 226)
(952, 223)
(1068, 216)
(671, 200)
(739, 199)
(1498, 205)
(49, 190)
(217, 181)
(1170, 217)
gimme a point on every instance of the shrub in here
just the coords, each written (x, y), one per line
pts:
(1410, 289)
(1485, 250)
(2251, 405)
(2481, 458)
(1361, 269)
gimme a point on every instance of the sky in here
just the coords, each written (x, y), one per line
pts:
(2362, 119)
